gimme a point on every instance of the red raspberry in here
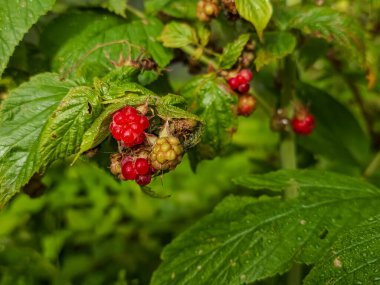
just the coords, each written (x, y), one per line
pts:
(128, 110)
(128, 126)
(234, 83)
(143, 179)
(243, 88)
(128, 170)
(128, 136)
(144, 122)
(247, 74)
(303, 125)
(142, 166)
(116, 131)
(241, 79)
(246, 105)
(119, 118)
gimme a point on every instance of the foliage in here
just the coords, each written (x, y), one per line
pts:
(288, 208)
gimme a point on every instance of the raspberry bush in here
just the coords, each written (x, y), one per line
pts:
(123, 123)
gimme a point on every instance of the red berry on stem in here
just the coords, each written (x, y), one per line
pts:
(142, 166)
(243, 88)
(303, 126)
(143, 179)
(246, 73)
(128, 171)
(233, 82)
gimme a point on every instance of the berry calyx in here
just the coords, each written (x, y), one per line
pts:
(166, 153)
(246, 105)
(128, 126)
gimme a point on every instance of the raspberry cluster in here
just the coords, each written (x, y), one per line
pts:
(129, 126)
(166, 153)
(138, 169)
(207, 9)
(240, 82)
(303, 123)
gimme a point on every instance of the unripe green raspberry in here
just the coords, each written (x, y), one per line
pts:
(166, 153)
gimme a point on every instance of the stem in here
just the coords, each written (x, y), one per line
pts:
(337, 65)
(288, 153)
(374, 164)
(265, 105)
(206, 60)
(136, 12)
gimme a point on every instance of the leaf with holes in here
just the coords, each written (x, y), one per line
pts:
(66, 126)
(353, 259)
(247, 239)
(23, 118)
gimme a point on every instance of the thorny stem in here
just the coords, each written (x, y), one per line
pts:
(374, 164)
(206, 60)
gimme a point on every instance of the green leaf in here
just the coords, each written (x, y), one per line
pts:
(232, 51)
(276, 45)
(258, 12)
(66, 126)
(23, 117)
(338, 135)
(16, 18)
(353, 259)
(210, 98)
(179, 9)
(326, 23)
(176, 35)
(166, 109)
(203, 34)
(247, 239)
(117, 35)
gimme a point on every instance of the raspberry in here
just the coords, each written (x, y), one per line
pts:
(241, 79)
(143, 179)
(246, 74)
(243, 88)
(166, 153)
(128, 126)
(119, 118)
(246, 105)
(303, 124)
(128, 170)
(116, 131)
(142, 166)
(234, 83)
